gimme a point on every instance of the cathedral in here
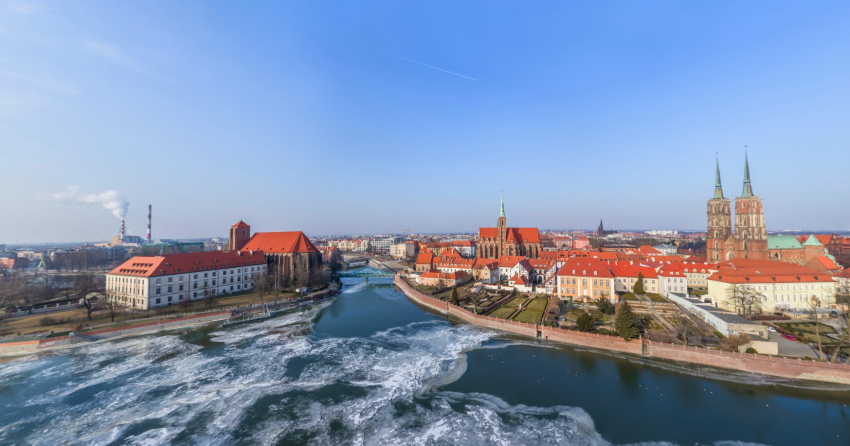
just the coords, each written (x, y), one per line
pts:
(504, 241)
(748, 239)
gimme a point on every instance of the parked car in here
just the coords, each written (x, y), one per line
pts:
(769, 328)
(789, 337)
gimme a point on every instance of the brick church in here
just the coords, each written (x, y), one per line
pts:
(748, 238)
(504, 241)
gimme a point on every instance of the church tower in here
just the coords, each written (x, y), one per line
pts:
(719, 222)
(502, 226)
(750, 232)
(240, 233)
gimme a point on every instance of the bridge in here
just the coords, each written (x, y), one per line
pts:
(368, 271)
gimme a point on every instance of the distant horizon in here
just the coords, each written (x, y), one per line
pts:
(681, 231)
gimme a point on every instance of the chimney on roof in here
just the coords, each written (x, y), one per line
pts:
(121, 234)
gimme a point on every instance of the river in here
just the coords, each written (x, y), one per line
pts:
(369, 367)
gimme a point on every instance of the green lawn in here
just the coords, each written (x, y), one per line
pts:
(537, 304)
(508, 307)
(529, 316)
(502, 312)
(656, 297)
(628, 296)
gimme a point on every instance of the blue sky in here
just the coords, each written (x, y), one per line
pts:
(305, 115)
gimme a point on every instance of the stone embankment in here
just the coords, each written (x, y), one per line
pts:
(34, 345)
(745, 362)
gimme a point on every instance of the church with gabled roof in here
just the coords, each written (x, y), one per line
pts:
(504, 241)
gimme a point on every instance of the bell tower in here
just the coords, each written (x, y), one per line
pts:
(719, 222)
(750, 231)
(240, 233)
(502, 226)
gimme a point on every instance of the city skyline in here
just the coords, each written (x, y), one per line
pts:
(212, 113)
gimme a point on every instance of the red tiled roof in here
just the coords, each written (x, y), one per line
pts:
(510, 261)
(517, 279)
(151, 266)
(826, 262)
(766, 271)
(448, 276)
(634, 270)
(280, 243)
(585, 267)
(541, 263)
(512, 235)
(649, 250)
(425, 256)
(241, 224)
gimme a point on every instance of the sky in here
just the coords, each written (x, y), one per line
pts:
(378, 117)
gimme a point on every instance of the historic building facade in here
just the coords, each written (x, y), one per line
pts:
(748, 238)
(291, 256)
(504, 241)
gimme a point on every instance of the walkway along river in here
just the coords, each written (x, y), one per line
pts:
(745, 362)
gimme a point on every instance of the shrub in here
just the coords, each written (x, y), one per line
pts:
(626, 322)
(46, 321)
(752, 350)
(585, 322)
(719, 334)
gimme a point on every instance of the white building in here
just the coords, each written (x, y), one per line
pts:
(382, 246)
(673, 279)
(404, 250)
(160, 281)
(781, 285)
(666, 249)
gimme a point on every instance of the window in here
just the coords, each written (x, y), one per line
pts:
(170, 288)
(195, 286)
(158, 300)
(181, 287)
(205, 275)
(169, 280)
(158, 291)
(158, 281)
(169, 298)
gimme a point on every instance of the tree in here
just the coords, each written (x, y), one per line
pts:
(814, 303)
(842, 304)
(686, 328)
(625, 321)
(112, 307)
(85, 283)
(604, 305)
(638, 288)
(90, 305)
(585, 322)
(732, 342)
(454, 299)
(209, 298)
(744, 299)
(187, 302)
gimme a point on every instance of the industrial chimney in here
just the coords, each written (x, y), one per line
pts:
(149, 224)
(121, 235)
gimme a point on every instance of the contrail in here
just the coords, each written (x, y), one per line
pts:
(429, 66)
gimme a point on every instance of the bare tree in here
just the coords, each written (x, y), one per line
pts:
(46, 287)
(112, 308)
(745, 300)
(814, 304)
(187, 302)
(90, 305)
(85, 283)
(209, 297)
(732, 342)
(686, 328)
(842, 304)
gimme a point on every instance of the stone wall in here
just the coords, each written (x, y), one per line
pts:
(766, 365)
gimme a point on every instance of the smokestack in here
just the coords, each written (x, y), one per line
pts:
(149, 224)
(121, 235)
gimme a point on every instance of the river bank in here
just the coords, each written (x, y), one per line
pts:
(17, 348)
(744, 362)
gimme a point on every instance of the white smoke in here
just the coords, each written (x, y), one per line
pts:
(111, 200)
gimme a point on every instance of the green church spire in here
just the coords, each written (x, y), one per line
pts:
(748, 188)
(503, 205)
(718, 188)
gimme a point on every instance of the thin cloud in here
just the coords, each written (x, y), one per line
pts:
(113, 54)
(25, 8)
(42, 83)
(430, 66)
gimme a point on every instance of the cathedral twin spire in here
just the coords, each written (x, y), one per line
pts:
(748, 187)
